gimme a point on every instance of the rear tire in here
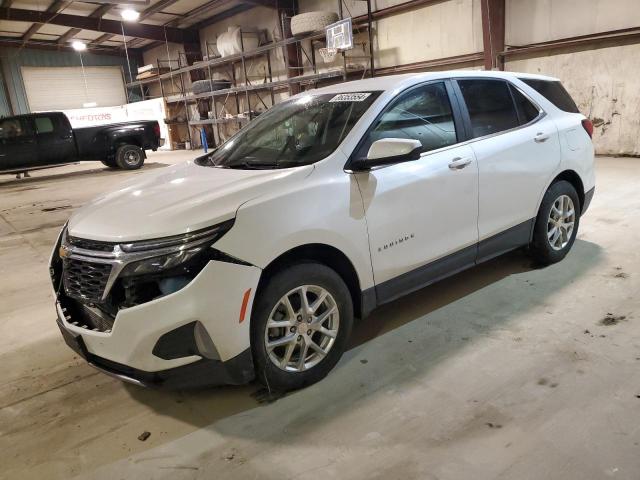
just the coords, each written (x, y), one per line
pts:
(310, 341)
(129, 157)
(557, 223)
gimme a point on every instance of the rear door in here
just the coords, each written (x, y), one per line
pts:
(54, 139)
(516, 146)
(17, 144)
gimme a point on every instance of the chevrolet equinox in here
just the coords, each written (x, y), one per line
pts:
(252, 261)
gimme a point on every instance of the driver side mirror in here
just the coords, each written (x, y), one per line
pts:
(388, 151)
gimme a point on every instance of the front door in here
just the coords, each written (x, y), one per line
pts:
(17, 144)
(421, 215)
(54, 138)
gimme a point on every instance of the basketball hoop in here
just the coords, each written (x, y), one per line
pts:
(328, 54)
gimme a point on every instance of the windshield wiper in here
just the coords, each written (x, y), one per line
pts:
(253, 165)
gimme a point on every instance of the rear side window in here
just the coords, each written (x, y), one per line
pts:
(527, 111)
(44, 125)
(12, 128)
(490, 105)
(554, 92)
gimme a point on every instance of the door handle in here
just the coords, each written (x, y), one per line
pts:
(459, 163)
(541, 137)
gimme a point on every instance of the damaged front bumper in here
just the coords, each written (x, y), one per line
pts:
(201, 373)
(196, 336)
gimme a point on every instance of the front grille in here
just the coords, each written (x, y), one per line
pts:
(84, 316)
(85, 281)
(94, 319)
(91, 244)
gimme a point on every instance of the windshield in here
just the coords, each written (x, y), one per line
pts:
(293, 133)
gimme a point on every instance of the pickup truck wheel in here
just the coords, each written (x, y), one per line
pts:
(300, 324)
(109, 163)
(129, 157)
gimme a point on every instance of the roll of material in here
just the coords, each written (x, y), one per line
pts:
(232, 41)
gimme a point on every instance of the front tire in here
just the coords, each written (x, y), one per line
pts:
(300, 326)
(129, 157)
(557, 223)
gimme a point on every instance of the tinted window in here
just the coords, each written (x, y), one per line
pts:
(422, 114)
(490, 106)
(44, 125)
(527, 111)
(12, 128)
(554, 92)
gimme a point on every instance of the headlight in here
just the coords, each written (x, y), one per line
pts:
(164, 254)
(158, 264)
(210, 235)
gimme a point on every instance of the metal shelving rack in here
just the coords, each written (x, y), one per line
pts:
(309, 74)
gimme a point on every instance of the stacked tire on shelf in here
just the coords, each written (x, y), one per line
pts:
(312, 22)
(202, 86)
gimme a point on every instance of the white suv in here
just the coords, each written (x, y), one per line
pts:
(252, 261)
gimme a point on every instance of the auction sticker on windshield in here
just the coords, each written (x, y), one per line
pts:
(350, 97)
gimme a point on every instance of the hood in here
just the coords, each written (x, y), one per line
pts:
(175, 200)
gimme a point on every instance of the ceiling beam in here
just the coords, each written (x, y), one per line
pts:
(55, 7)
(97, 13)
(222, 16)
(13, 42)
(140, 30)
(263, 3)
(200, 10)
(100, 39)
(156, 8)
(68, 35)
(144, 14)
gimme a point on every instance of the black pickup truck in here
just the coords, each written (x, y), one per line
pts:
(41, 140)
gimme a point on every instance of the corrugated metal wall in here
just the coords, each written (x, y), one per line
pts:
(12, 59)
(5, 108)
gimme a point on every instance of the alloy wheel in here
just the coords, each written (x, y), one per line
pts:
(302, 328)
(561, 222)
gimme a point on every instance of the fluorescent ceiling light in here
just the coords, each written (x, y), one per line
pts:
(130, 15)
(89, 105)
(79, 46)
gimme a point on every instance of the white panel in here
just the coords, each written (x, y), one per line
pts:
(32, 5)
(88, 34)
(52, 29)
(43, 36)
(60, 88)
(530, 21)
(8, 28)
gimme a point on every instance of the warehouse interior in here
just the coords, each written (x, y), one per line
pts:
(505, 370)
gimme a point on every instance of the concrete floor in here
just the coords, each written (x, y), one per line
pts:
(503, 371)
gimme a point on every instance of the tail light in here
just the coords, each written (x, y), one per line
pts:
(156, 130)
(588, 126)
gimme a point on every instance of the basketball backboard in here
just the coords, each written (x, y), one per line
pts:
(340, 35)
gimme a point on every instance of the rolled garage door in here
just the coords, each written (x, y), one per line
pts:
(62, 88)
